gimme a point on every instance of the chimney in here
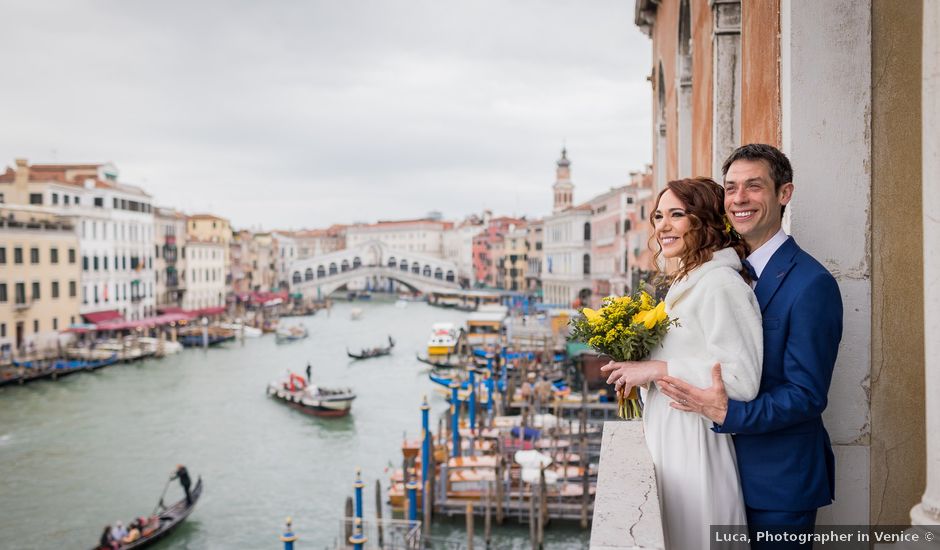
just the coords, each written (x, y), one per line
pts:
(21, 183)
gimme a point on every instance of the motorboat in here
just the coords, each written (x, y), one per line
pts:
(443, 340)
(294, 390)
(291, 333)
(241, 329)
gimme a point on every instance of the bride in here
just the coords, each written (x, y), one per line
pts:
(719, 322)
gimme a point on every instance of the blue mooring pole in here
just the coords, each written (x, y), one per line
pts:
(412, 488)
(473, 401)
(358, 485)
(288, 537)
(426, 440)
(455, 418)
(358, 538)
(490, 386)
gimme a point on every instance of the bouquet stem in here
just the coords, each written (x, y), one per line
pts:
(628, 404)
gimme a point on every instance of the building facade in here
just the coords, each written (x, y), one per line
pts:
(566, 264)
(169, 239)
(534, 241)
(205, 274)
(39, 278)
(842, 87)
(115, 226)
(512, 262)
(424, 236)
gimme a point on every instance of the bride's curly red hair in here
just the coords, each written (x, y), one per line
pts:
(709, 231)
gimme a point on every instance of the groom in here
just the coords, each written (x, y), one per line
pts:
(784, 456)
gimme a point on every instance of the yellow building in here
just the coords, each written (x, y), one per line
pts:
(39, 278)
(512, 260)
(208, 228)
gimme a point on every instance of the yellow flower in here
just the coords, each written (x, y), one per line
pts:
(591, 315)
(656, 315)
(646, 301)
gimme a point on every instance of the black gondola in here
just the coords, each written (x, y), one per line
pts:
(169, 519)
(374, 352)
(439, 365)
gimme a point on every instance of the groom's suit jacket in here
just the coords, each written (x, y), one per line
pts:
(784, 455)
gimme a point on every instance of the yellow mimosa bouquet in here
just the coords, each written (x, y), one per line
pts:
(625, 328)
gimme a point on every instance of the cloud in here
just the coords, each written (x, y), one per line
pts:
(307, 113)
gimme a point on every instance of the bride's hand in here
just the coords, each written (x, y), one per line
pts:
(626, 374)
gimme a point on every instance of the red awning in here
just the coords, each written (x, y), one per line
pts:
(206, 311)
(147, 322)
(165, 310)
(103, 316)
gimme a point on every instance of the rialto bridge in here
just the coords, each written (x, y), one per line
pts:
(373, 261)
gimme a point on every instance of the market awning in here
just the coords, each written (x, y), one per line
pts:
(147, 322)
(206, 311)
(103, 316)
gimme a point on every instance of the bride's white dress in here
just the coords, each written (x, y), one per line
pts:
(696, 469)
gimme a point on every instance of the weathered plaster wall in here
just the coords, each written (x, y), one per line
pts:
(927, 512)
(760, 86)
(701, 87)
(826, 112)
(897, 339)
(665, 39)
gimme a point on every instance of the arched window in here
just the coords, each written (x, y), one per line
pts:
(587, 264)
(426, 271)
(450, 276)
(321, 272)
(684, 87)
(415, 268)
(296, 277)
(333, 268)
(587, 231)
(391, 262)
(626, 225)
(404, 265)
(308, 274)
(357, 262)
(344, 266)
(438, 273)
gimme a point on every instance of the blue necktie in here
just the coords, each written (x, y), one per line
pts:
(750, 270)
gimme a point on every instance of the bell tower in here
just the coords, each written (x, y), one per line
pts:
(563, 188)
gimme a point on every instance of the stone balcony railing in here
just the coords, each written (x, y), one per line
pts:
(626, 504)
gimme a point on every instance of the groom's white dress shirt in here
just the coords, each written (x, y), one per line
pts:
(761, 257)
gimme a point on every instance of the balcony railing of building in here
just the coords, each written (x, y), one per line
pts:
(626, 504)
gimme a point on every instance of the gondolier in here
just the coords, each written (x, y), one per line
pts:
(309, 371)
(182, 475)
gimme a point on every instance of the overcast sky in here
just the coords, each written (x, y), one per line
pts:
(304, 113)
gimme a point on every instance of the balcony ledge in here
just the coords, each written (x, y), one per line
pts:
(626, 505)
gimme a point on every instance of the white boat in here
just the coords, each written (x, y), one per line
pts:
(485, 325)
(443, 340)
(355, 314)
(294, 390)
(242, 329)
(291, 333)
(160, 348)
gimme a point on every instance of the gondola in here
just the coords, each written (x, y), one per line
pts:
(374, 352)
(57, 369)
(441, 365)
(169, 519)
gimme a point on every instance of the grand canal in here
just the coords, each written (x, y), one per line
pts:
(93, 448)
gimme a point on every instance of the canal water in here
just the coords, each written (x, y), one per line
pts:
(82, 452)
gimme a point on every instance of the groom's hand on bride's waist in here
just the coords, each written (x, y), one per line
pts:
(711, 402)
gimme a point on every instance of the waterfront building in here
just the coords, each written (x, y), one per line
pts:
(169, 239)
(619, 234)
(850, 91)
(488, 246)
(287, 252)
(511, 263)
(458, 245)
(209, 228)
(534, 238)
(243, 254)
(39, 277)
(264, 266)
(205, 274)
(316, 242)
(566, 265)
(424, 236)
(115, 226)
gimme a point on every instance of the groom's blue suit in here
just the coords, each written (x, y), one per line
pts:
(784, 455)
